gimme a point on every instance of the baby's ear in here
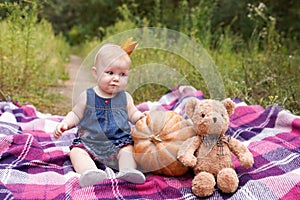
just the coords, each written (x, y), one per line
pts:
(229, 105)
(94, 72)
(190, 107)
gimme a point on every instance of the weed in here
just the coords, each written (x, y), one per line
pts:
(31, 57)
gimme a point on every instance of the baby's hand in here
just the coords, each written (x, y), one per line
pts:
(144, 114)
(60, 128)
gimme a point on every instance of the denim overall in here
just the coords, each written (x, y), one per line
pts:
(104, 129)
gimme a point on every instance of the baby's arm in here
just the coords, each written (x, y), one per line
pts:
(72, 118)
(133, 113)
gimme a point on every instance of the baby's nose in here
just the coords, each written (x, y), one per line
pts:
(116, 77)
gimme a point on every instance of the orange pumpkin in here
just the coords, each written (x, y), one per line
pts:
(157, 138)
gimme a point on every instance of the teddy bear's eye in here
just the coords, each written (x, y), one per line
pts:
(203, 115)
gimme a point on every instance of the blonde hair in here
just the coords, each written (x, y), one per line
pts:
(108, 54)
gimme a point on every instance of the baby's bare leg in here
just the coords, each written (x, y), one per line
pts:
(127, 166)
(84, 165)
(126, 159)
(81, 160)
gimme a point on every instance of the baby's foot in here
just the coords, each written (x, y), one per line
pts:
(131, 175)
(91, 177)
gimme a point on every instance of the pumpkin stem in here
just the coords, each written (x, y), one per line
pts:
(155, 139)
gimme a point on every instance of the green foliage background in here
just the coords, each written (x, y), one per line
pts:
(254, 44)
(32, 57)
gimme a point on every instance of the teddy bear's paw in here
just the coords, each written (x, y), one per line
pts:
(189, 161)
(227, 180)
(247, 160)
(203, 184)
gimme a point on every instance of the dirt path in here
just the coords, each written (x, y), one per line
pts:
(65, 89)
(72, 68)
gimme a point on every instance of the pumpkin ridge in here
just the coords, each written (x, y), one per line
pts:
(158, 126)
(141, 129)
(155, 125)
(162, 148)
(167, 171)
(138, 135)
(142, 148)
(172, 116)
(175, 122)
(166, 159)
(150, 161)
(180, 134)
(170, 130)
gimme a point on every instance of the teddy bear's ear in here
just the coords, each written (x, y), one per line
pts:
(229, 105)
(190, 107)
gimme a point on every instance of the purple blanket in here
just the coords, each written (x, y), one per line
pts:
(33, 165)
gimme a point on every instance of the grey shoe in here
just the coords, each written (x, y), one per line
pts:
(91, 177)
(131, 175)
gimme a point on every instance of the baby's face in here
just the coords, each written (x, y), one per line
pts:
(114, 78)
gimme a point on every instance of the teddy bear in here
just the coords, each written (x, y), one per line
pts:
(209, 153)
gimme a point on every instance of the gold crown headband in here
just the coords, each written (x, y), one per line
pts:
(128, 46)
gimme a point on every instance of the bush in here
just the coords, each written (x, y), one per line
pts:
(31, 56)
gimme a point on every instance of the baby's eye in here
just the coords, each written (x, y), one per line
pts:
(123, 75)
(109, 73)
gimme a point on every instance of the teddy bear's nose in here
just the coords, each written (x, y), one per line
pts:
(215, 119)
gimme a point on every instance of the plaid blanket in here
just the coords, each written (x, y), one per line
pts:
(33, 165)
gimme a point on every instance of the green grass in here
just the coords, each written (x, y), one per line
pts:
(262, 79)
